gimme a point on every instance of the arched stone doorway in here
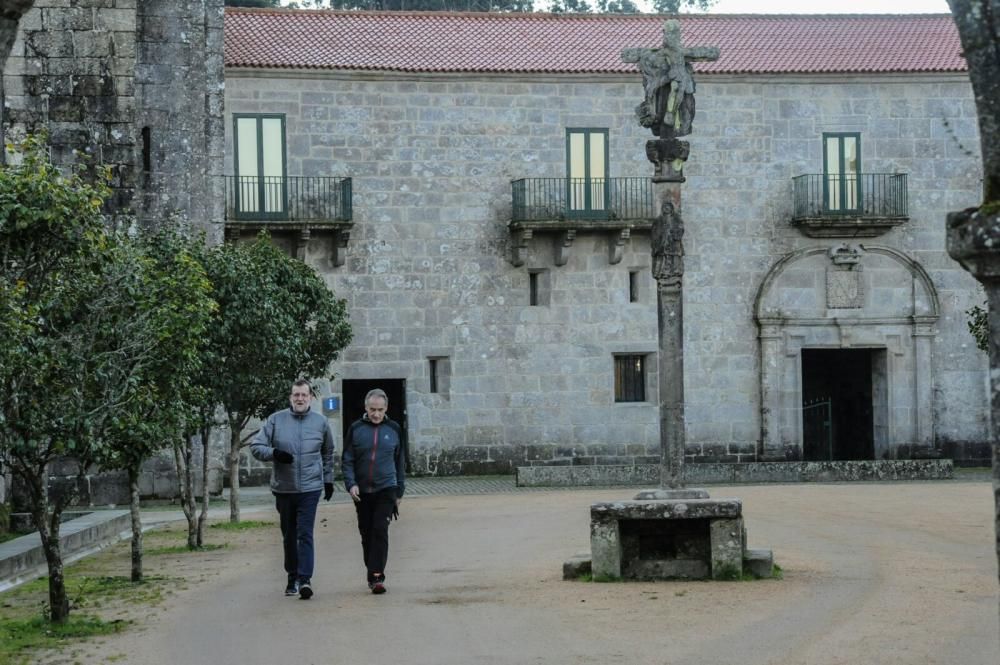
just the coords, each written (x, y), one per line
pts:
(845, 335)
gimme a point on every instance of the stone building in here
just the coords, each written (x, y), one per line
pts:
(476, 187)
(136, 85)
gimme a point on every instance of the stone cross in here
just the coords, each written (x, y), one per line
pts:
(668, 80)
(668, 109)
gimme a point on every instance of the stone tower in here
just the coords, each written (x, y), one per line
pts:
(136, 85)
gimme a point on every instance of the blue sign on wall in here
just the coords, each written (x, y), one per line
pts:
(331, 405)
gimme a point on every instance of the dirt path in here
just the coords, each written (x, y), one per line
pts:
(873, 573)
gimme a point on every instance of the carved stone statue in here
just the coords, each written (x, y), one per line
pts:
(667, 78)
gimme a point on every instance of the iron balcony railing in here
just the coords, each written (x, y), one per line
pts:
(288, 198)
(854, 195)
(541, 199)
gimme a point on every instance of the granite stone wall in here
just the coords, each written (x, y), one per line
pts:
(428, 271)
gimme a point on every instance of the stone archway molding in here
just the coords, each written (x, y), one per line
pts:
(902, 345)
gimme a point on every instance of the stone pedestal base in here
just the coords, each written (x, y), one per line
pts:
(667, 539)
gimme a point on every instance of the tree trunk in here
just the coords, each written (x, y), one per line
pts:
(133, 483)
(182, 462)
(234, 471)
(206, 434)
(48, 532)
(978, 24)
(993, 295)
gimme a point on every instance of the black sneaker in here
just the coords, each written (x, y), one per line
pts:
(293, 587)
(305, 590)
(377, 585)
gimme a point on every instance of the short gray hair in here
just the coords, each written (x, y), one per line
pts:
(376, 392)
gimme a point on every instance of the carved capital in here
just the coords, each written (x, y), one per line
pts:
(668, 157)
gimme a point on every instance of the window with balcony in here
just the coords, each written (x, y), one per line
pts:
(841, 171)
(844, 202)
(259, 151)
(587, 171)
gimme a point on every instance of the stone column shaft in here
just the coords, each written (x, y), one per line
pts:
(668, 156)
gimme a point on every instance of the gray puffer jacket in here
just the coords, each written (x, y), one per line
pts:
(307, 436)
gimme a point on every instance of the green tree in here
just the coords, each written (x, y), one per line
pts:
(54, 253)
(163, 309)
(276, 321)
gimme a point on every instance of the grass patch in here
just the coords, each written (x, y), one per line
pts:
(183, 549)
(605, 579)
(18, 636)
(241, 526)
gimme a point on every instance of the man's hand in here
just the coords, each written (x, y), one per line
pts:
(355, 493)
(283, 456)
(327, 491)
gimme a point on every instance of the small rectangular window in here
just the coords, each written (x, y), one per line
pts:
(633, 286)
(539, 288)
(439, 374)
(147, 149)
(630, 378)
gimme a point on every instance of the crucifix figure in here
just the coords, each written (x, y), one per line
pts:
(667, 78)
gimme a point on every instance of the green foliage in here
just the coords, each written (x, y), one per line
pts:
(37, 633)
(184, 549)
(276, 321)
(979, 326)
(159, 324)
(242, 526)
(53, 253)
(99, 333)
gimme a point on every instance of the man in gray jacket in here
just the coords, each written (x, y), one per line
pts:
(300, 444)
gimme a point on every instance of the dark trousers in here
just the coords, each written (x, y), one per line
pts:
(298, 515)
(374, 513)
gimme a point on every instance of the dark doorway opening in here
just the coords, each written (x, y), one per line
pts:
(354, 391)
(837, 405)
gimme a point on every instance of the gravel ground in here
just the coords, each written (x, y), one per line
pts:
(874, 573)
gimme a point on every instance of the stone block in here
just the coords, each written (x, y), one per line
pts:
(576, 566)
(726, 537)
(759, 563)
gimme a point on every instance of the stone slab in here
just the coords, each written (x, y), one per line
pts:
(670, 510)
(749, 472)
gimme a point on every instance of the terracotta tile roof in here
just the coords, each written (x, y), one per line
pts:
(471, 42)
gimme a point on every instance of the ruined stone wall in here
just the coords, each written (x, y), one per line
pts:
(427, 271)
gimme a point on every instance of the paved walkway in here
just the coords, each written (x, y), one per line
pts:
(874, 574)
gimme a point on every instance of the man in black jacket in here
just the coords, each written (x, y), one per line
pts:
(374, 477)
